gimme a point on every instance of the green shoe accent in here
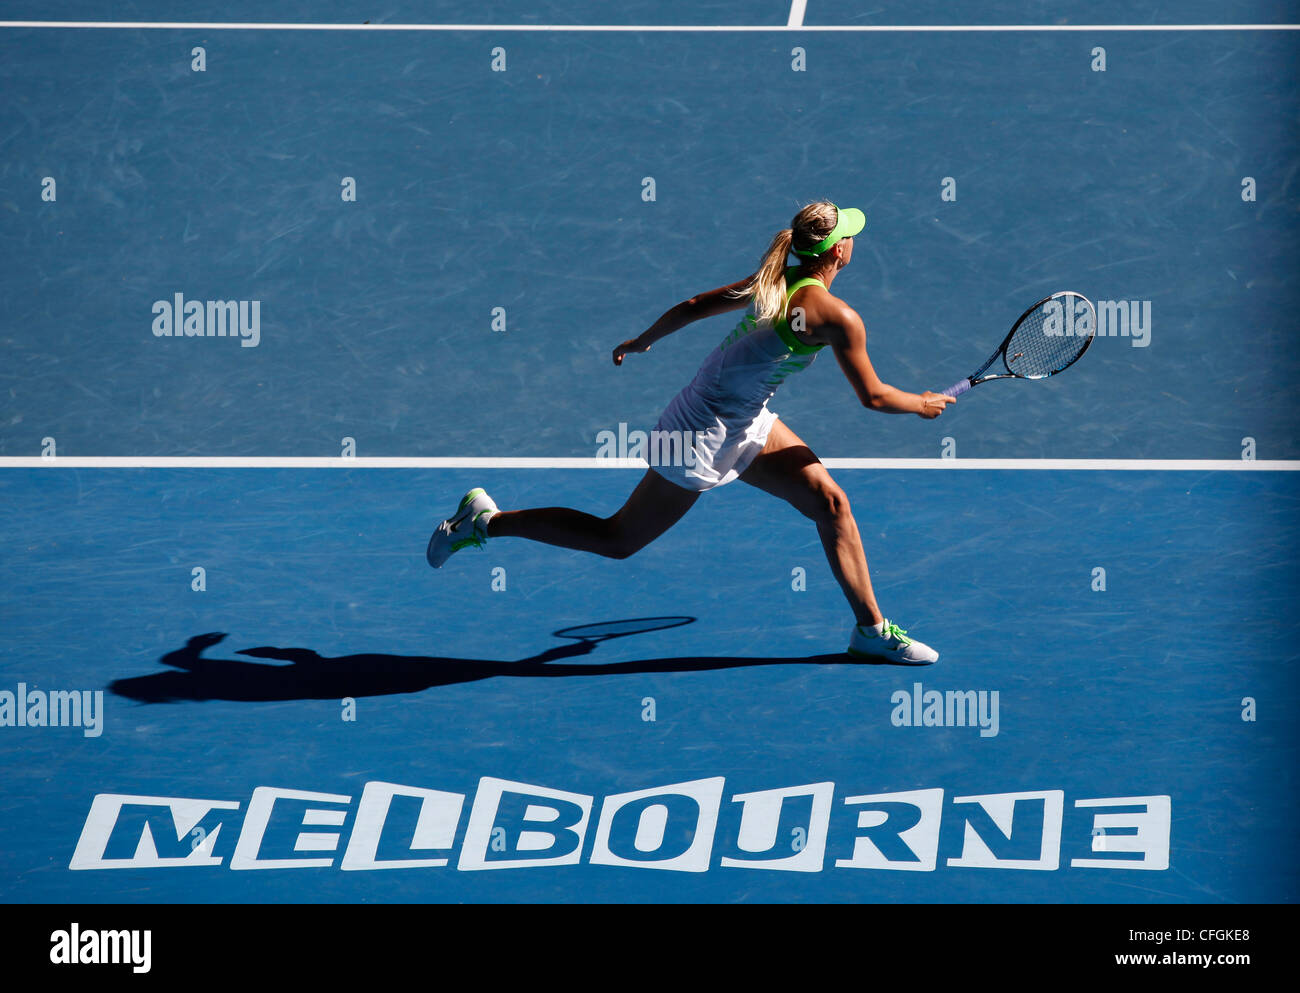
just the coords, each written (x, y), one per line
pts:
(892, 630)
(476, 541)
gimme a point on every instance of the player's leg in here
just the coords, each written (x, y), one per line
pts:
(788, 469)
(654, 506)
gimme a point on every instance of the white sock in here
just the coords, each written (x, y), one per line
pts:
(878, 628)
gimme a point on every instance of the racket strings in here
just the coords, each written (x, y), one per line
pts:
(1051, 336)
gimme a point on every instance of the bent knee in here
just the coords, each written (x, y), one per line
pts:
(829, 503)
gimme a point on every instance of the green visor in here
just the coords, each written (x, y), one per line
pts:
(849, 222)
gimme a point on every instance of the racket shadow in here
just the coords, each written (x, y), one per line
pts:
(192, 677)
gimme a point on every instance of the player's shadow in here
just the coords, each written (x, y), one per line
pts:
(310, 676)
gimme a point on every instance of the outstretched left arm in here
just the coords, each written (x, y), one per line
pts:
(698, 307)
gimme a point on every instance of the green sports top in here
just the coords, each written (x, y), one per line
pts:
(782, 325)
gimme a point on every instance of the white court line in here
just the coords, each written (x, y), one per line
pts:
(902, 28)
(796, 13)
(490, 462)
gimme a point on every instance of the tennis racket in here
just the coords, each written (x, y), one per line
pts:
(1048, 338)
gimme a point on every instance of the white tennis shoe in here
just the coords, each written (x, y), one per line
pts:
(892, 643)
(468, 526)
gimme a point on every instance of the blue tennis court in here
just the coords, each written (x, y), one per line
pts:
(241, 682)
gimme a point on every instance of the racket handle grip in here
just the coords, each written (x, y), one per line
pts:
(957, 389)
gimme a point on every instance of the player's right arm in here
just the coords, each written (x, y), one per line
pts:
(837, 324)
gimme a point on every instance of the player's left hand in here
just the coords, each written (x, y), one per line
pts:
(628, 346)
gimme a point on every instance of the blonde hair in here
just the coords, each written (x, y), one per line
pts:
(811, 225)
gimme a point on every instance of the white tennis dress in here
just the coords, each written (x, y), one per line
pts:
(724, 408)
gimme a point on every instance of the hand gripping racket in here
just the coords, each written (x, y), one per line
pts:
(1050, 337)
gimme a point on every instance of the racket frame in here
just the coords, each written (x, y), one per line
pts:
(977, 377)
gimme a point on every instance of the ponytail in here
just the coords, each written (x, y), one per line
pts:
(810, 225)
(768, 284)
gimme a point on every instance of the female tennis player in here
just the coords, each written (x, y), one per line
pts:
(735, 436)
